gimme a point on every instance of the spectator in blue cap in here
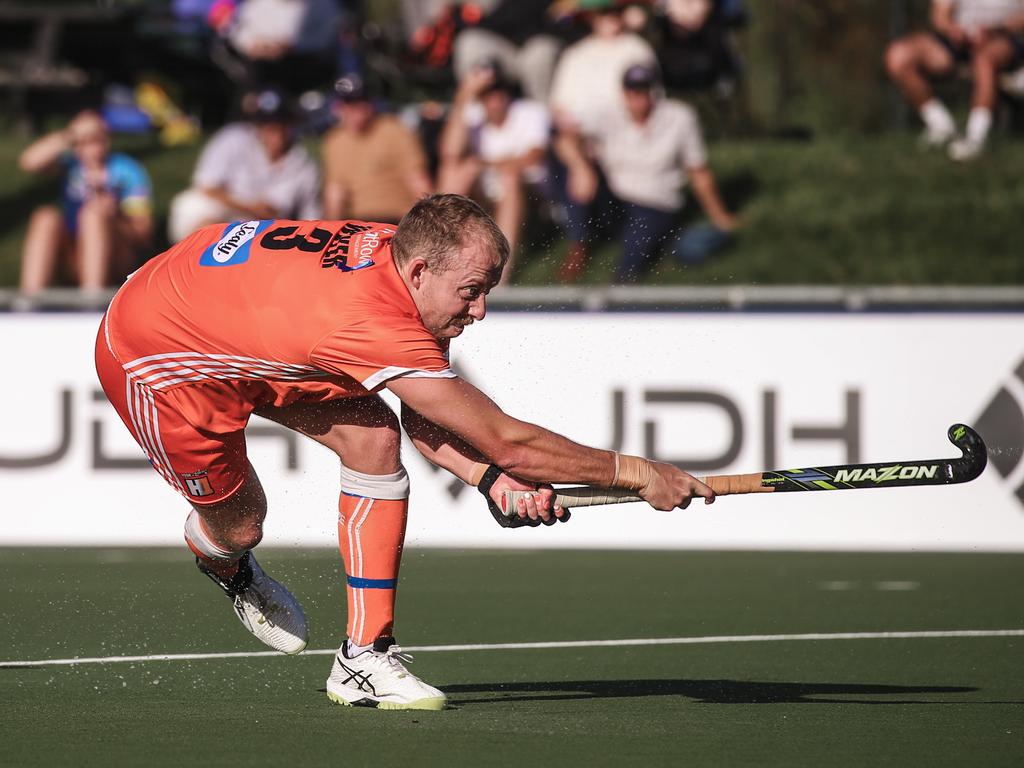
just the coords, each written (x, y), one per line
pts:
(646, 155)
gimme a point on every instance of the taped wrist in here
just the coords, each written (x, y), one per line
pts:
(633, 472)
(491, 473)
(476, 473)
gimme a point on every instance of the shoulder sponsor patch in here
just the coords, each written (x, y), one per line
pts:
(353, 247)
(234, 244)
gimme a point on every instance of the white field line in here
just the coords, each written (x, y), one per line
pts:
(706, 640)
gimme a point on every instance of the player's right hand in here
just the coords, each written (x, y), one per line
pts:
(670, 487)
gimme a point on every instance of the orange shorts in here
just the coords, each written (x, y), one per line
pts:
(193, 436)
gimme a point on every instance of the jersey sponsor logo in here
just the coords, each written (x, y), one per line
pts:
(352, 248)
(234, 244)
(884, 474)
(198, 483)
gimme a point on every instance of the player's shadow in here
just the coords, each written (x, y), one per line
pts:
(704, 691)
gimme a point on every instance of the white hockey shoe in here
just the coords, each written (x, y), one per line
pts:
(264, 606)
(378, 678)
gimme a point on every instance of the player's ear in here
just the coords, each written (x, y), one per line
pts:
(417, 268)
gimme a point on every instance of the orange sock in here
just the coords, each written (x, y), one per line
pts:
(371, 532)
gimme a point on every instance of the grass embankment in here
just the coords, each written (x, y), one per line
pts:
(833, 211)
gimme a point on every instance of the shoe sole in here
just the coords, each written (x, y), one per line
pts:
(435, 704)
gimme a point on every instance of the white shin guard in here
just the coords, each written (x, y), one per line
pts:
(393, 486)
(199, 540)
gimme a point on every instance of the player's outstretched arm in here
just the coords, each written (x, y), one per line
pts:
(448, 451)
(537, 454)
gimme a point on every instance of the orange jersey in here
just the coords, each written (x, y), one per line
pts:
(249, 315)
(305, 309)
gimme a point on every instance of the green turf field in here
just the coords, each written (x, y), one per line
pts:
(934, 701)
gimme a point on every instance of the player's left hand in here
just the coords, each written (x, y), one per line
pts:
(534, 509)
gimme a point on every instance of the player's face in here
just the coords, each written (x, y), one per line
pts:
(448, 301)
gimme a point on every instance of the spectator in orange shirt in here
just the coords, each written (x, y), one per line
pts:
(374, 167)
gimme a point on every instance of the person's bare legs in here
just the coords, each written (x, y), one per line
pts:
(372, 513)
(235, 524)
(912, 62)
(222, 535)
(96, 242)
(989, 59)
(372, 508)
(508, 213)
(44, 242)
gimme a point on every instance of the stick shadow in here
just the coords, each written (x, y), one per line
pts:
(703, 691)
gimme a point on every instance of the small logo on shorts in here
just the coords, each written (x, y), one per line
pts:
(198, 483)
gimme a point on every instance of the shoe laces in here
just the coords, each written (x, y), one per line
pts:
(257, 597)
(395, 659)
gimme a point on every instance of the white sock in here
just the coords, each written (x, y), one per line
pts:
(352, 650)
(978, 124)
(936, 117)
(199, 541)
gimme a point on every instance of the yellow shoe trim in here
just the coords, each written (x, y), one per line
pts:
(435, 704)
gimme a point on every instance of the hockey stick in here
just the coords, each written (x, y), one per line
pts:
(834, 478)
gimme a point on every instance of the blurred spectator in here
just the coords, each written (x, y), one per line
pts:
(374, 167)
(987, 36)
(692, 40)
(588, 77)
(518, 34)
(106, 212)
(499, 141)
(417, 14)
(646, 155)
(250, 170)
(291, 44)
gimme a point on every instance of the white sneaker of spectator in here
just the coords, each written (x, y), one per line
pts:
(965, 148)
(935, 137)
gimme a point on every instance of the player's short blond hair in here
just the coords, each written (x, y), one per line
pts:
(438, 226)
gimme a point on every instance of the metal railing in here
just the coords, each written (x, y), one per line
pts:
(664, 298)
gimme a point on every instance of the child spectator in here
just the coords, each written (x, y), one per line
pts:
(374, 166)
(500, 141)
(106, 214)
(984, 34)
(250, 170)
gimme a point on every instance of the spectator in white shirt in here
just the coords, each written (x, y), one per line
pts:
(646, 156)
(987, 36)
(495, 143)
(250, 170)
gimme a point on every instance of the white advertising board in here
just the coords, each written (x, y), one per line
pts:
(717, 393)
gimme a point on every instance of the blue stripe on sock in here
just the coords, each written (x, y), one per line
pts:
(358, 583)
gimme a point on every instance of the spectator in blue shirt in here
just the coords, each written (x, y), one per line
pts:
(105, 216)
